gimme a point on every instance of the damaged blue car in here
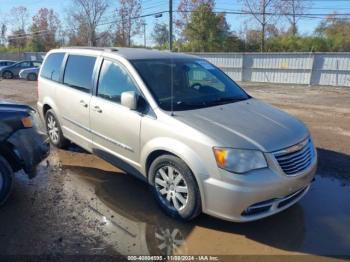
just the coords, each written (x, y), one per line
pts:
(22, 144)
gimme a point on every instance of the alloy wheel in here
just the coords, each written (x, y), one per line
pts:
(32, 77)
(170, 242)
(171, 187)
(52, 129)
(7, 75)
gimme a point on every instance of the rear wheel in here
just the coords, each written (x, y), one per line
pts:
(6, 180)
(32, 77)
(54, 130)
(7, 75)
(174, 187)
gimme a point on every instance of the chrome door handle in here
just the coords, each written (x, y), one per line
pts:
(82, 102)
(97, 109)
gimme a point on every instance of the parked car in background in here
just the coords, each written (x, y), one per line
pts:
(181, 124)
(12, 71)
(4, 63)
(23, 145)
(30, 74)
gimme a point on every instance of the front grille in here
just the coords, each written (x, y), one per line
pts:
(296, 158)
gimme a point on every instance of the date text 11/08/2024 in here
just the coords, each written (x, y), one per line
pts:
(173, 258)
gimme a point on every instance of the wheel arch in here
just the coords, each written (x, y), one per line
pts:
(47, 104)
(8, 152)
(160, 146)
(46, 107)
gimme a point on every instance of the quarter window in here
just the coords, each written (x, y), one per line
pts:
(113, 81)
(79, 71)
(52, 66)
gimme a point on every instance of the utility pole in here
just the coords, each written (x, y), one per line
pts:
(144, 34)
(171, 25)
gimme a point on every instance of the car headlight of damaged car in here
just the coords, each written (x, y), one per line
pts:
(239, 160)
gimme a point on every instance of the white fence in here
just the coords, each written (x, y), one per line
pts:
(291, 68)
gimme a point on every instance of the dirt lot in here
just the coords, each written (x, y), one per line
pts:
(79, 204)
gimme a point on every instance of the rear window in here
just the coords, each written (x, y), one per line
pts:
(52, 67)
(78, 72)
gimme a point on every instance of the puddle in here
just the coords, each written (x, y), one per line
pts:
(318, 224)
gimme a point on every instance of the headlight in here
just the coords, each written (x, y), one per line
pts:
(27, 122)
(239, 160)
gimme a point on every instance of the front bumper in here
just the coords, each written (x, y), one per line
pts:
(259, 194)
(31, 147)
(23, 75)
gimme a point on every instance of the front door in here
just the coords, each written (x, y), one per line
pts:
(115, 128)
(20, 66)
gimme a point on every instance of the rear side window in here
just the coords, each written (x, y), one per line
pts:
(78, 72)
(52, 67)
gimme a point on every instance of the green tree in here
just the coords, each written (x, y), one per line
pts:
(336, 31)
(207, 31)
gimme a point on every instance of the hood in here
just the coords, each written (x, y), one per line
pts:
(249, 124)
(8, 107)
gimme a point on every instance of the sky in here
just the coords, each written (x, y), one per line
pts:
(236, 22)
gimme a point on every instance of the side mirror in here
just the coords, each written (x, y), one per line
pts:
(129, 100)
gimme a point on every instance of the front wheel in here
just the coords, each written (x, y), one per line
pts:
(7, 75)
(174, 187)
(6, 180)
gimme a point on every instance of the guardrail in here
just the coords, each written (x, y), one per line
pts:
(332, 69)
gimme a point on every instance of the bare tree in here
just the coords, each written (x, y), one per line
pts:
(129, 23)
(86, 16)
(293, 10)
(160, 34)
(45, 26)
(20, 18)
(261, 11)
(18, 23)
(3, 30)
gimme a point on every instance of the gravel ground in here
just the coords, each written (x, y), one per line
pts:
(79, 204)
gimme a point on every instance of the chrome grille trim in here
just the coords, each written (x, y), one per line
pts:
(297, 158)
(275, 203)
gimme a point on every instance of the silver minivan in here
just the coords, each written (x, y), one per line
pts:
(182, 125)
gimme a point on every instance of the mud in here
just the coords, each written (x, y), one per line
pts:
(79, 204)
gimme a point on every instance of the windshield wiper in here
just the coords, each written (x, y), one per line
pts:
(225, 100)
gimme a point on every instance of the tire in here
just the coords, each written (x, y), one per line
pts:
(6, 180)
(7, 75)
(171, 194)
(32, 77)
(54, 130)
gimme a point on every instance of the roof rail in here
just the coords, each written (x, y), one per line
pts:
(108, 49)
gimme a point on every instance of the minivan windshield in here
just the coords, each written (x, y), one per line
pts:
(185, 84)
